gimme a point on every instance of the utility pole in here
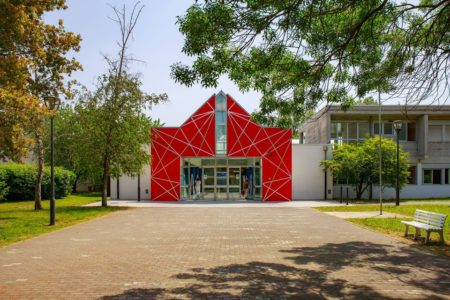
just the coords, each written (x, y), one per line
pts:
(380, 152)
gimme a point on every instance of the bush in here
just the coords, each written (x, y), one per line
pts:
(3, 186)
(20, 181)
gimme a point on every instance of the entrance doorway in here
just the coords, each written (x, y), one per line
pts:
(221, 179)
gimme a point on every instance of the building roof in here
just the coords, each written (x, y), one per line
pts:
(385, 110)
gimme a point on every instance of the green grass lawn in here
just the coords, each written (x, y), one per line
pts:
(19, 221)
(393, 226)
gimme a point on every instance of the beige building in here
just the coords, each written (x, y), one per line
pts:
(425, 134)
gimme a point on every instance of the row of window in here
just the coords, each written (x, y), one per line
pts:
(354, 131)
(429, 176)
(436, 176)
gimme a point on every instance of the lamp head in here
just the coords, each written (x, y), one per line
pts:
(398, 125)
(52, 102)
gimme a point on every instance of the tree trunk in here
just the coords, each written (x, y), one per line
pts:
(75, 184)
(105, 178)
(38, 181)
(360, 189)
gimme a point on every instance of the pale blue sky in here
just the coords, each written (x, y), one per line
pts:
(157, 42)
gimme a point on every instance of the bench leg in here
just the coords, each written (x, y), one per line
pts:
(441, 234)
(406, 230)
(427, 238)
(417, 233)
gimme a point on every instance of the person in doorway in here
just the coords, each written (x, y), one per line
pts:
(198, 186)
(245, 187)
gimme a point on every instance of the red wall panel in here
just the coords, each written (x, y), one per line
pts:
(273, 145)
(194, 138)
(245, 138)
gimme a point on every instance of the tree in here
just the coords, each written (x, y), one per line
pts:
(305, 52)
(367, 101)
(112, 133)
(112, 122)
(357, 164)
(48, 78)
(69, 146)
(27, 47)
(287, 115)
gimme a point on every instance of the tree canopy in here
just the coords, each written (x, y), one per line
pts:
(299, 53)
(357, 164)
(33, 65)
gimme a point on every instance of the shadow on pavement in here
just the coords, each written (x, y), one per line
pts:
(306, 275)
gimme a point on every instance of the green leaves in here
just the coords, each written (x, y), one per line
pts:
(358, 164)
(112, 120)
(34, 63)
(313, 51)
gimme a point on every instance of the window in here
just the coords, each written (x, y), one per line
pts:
(363, 130)
(403, 131)
(427, 176)
(437, 176)
(376, 128)
(411, 131)
(407, 132)
(435, 133)
(446, 176)
(348, 132)
(336, 131)
(352, 131)
(447, 134)
(221, 124)
(432, 176)
(302, 138)
(388, 128)
(412, 177)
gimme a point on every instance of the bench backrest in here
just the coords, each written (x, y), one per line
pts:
(430, 218)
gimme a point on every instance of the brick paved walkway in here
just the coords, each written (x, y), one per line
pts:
(226, 253)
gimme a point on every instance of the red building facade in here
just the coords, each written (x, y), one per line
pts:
(220, 153)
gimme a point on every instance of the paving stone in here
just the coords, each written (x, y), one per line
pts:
(220, 253)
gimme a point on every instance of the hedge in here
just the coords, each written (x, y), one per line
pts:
(3, 186)
(20, 181)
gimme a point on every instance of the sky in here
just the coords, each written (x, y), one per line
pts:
(156, 41)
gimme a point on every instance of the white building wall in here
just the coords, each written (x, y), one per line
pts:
(128, 186)
(410, 191)
(308, 178)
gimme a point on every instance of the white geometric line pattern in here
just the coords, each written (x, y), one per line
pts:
(245, 138)
(248, 139)
(194, 138)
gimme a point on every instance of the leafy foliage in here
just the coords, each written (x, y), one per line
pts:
(20, 181)
(358, 165)
(299, 53)
(69, 143)
(115, 131)
(3, 185)
(113, 115)
(33, 65)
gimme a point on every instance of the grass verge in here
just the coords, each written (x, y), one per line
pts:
(394, 227)
(19, 221)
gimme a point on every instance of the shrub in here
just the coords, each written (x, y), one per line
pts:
(20, 181)
(3, 186)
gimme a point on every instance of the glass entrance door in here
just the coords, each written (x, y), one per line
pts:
(234, 183)
(221, 178)
(208, 183)
(221, 183)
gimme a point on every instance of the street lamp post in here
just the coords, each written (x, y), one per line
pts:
(52, 103)
(398, 127)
